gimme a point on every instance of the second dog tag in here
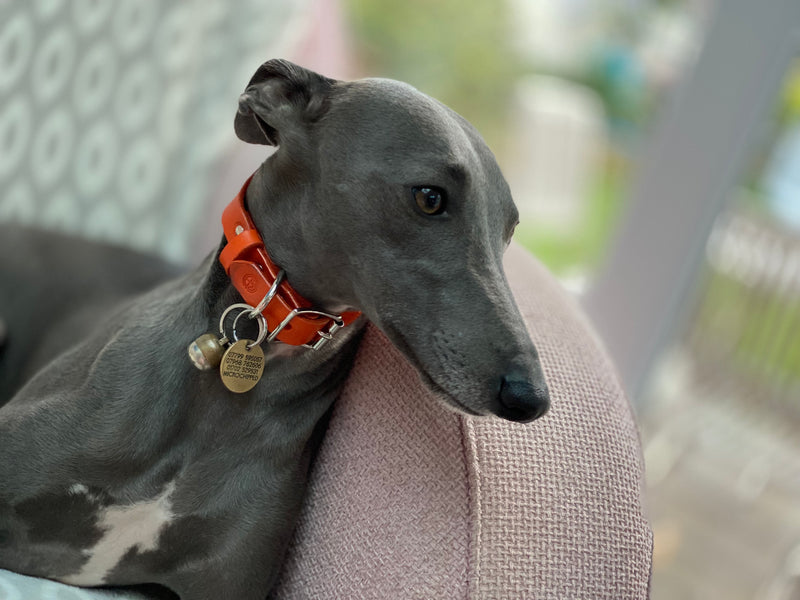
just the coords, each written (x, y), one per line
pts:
(242, 366)
(206, 351)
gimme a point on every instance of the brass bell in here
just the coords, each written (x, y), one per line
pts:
(206, 351)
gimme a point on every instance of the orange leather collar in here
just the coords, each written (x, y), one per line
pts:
(253, 274)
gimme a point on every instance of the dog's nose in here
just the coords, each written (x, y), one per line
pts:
(521, 401)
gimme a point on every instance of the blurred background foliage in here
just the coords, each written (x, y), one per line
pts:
(458, 52)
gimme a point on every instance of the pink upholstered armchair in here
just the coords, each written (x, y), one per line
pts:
(410, 500)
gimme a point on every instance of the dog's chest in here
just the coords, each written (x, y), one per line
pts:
(123, 529)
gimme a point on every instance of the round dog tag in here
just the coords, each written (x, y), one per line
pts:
(241, 367)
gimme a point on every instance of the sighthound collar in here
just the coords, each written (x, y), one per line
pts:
(289, 316)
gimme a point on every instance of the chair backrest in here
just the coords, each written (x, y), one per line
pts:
(114, 115)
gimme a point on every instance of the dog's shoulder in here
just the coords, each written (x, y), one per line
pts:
(53, 286)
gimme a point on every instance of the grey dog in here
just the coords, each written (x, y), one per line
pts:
(121, 464)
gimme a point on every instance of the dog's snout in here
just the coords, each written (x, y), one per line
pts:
(522, 401)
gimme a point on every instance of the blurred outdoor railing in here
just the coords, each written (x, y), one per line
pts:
(722, 446)
(745, 338)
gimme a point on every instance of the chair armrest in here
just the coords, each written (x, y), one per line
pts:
(410, 500)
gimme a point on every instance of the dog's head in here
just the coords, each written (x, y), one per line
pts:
(383, 200)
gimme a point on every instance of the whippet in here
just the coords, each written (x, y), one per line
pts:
(121, 463)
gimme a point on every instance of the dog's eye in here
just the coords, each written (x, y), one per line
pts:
(430, 200)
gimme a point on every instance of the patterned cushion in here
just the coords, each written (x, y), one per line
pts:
(108, 108)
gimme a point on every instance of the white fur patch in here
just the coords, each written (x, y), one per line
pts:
(124, 527)
(77, 489)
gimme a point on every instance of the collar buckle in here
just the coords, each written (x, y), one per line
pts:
(337, 323)
(326, 336)
(264, 287)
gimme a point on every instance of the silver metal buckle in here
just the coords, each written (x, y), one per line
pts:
(324, 336)
(256, 312)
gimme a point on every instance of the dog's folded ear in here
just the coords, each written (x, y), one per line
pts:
(280, 100)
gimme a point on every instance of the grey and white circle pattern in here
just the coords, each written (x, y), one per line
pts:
(141, 175)
(88, 16)
(104, 106)
(94, 79)
(96, 158)
(133, 24)
(52, 66)
(15, 135)
(17, 37)
(52, 147)
(46, 9)
(176, 40)
(137, 95)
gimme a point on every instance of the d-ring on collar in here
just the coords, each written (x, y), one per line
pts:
(290, 318)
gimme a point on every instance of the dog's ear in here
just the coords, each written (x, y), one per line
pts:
(280, 99)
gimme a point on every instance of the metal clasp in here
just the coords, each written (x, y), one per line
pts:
(257, 312)
(324, 336)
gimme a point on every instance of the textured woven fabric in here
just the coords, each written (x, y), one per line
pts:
(410, 500)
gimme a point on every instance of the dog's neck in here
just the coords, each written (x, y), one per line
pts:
(218, 293)
(292, 374)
